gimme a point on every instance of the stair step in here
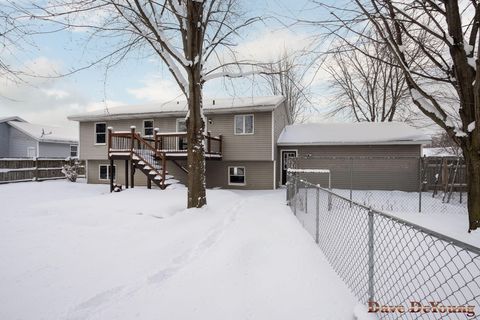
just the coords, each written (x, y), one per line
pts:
(153, 172)
(141, 163)
(167, 177)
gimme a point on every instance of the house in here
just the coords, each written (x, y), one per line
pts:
(22, 139)
(365, 155)
(240, 141)
(248, 142)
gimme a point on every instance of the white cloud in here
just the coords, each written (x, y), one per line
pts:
(157, 89)
(45, 100)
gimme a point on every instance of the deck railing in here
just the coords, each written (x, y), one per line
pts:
(168, 143)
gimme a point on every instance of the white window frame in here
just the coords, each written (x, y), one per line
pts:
(244, 176)
(235, 124)
(153, 128)
(108, 172)
(95, 131)
(177, 121)
(73, 145)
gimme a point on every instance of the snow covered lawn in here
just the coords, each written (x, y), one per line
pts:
(75, 251)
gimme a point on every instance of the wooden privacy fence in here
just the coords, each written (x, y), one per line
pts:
(444, 173)
(28, 169)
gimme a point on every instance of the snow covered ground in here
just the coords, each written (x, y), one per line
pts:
(75, 251)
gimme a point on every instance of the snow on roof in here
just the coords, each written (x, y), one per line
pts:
(46, 133)
(13, 118)
(351, 134)
(210, 106)
(441, 152)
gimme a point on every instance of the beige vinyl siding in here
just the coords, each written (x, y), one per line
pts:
(366, 174)
(89, 150)
(259, 174)
(280, 121)
(257, 146)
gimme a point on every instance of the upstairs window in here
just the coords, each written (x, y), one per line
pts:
(236, 176)
(244, 124)
(73, 151)
(148, 128)
(100, 133)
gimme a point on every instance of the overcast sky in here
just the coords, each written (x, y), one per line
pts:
(137, 79)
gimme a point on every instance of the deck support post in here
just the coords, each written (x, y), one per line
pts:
(149, 183)
(110, 172)
(132, 174)
(126, 174)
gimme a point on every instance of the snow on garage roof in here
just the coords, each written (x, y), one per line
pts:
(46, 133)
(179, 108)
(351, 134)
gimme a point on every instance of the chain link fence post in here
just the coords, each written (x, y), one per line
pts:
(420, 183)
(317, 218)
(371, 270)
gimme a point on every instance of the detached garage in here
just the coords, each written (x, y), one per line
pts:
(367, 156)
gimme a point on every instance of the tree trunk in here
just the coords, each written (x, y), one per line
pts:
(472, 161)
(195, 124)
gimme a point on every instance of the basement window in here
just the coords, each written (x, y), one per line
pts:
(104, 172)
(236, 176)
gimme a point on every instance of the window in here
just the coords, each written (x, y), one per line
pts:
(73, 151)
(104, 172)
(236, 176)
(181, 125)
(100, 133)
(148, 128)
(244, 124)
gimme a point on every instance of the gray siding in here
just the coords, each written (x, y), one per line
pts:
(259, 174)
(280, 121)
(4, 137)
(54, 150)
(257, 146)
(19, 143)
(399, 173)
(235, 147)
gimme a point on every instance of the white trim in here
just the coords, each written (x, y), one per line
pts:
(38, 149)
(143, 127)
(244, 176)
(177, 120)
(235, 124)
(273, 136)
(108, 172)
(95, 133)
(274, 175)
(86, 170)
(281, 161)
(366, 143)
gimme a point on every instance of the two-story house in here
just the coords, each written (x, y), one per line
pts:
(138, 145)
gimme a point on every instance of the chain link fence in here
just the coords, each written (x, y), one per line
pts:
(386, 259)
(400, 184)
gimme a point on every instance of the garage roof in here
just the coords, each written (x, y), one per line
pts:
(360, 133)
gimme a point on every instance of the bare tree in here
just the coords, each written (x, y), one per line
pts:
(365, 88)
(185, 35)
(285, 77)
(436, 45)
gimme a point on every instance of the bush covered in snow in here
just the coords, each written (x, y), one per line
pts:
(71, 171)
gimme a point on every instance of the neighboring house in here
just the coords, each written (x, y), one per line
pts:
(375, 155)
(21, 139)
(248, 142)
(241, 135)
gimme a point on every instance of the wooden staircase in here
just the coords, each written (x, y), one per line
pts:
(139, 154)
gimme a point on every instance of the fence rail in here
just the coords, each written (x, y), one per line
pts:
(34, 169)
(386, 259)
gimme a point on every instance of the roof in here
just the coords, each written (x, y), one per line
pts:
(14, 118)
(43, 133)
(441, 152)
(360, 133)
(179, 108)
